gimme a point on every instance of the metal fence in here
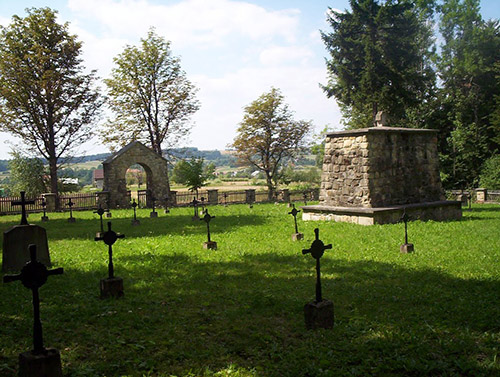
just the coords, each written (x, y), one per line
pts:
(80, 201)
(6, 206)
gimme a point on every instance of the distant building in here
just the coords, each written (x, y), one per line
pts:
(98, 178)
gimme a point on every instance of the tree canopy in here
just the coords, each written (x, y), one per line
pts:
(193, 173)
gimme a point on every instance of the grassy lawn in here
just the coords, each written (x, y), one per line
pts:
(238, 311)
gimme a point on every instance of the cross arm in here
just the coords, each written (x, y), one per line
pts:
(9, 278)
(56, 271)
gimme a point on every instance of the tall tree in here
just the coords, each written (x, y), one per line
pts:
(45, 97)
(150, 96)
(27, 174)
(379, 59)
(193, 173)
(268, 135)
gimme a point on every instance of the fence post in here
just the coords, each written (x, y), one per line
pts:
(249, 196)
(50, 199)
(213, 196)
(481, 195)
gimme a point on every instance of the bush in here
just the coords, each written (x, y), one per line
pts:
(490, 174)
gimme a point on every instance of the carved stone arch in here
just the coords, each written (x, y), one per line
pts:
(116, 166)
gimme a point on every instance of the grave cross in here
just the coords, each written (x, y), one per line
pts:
(109, 239)
(304, 195)
(194, 203)
(405, 218)
(316, 250)
(33, 275)
(153, 201)
(207, 218)
(100, 211)
(70, 204)
(134, 206)
(202, 204)
(23, 202)
(44, 206)
(167, 198)
(294, 213)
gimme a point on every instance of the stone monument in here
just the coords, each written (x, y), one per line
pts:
(17, 239)
(370, 175)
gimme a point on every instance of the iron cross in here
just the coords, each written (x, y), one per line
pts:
(70, 204)
(207, 219)
(44, 206)
(317, 250)
(23, 202)
(109, 238)
(194, 203)
(405, 218)
(100, 211)
(294, 213)
(134, 206)
(33, 275)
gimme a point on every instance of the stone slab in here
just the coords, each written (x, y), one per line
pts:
(297, 236)
(319, 315)
(45, 218)
(16, 240)
(153, 214)
(406, 248)
(212, 245)
(438, 211)
(47, 364)
(111, 287)
(71, 220)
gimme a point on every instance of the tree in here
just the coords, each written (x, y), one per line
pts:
(45, 98)
(27, 174)
(150, 96)
(193, 173)
(268, 135)
(379, 60)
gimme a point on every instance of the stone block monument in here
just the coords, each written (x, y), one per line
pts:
(370, 175)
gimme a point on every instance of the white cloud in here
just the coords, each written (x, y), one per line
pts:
(277, 55)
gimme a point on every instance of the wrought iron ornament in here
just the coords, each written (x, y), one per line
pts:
(109, 237)
(23, 202)
(317, 250)
(294, 213)
(100, 211)
(134, 206)
(405, 219)
(207, 218)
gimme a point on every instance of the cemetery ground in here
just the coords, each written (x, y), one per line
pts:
(238, 310)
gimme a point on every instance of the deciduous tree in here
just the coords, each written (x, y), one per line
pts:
(193, 173)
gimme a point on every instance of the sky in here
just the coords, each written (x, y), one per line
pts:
(231, 50)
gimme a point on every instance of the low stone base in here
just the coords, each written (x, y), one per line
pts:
(319, 315)
(47, 364)
(437, 211)
(99, 235)
(406, 248)
(108, 214)
(196, 218)
(71, 220)
(153, 214)
(210, 245)
(111, 287)
(167, 210)
(135, 222)
(297, 236)
(45, 218)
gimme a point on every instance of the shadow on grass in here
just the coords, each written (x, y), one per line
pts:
(180, 316)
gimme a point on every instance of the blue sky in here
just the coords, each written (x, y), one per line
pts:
(233, 51)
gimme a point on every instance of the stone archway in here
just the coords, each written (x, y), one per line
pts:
(115, 167)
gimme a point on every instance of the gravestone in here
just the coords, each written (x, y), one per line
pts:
(135, 221)
(209, 244)
(318, 313)
(297, 236)
(44, 206)
(17, 239)
(406, 247)
(112, 286)
(70, 204)
(153, 213)
(100, 211)
(40, 361)
(195, 203)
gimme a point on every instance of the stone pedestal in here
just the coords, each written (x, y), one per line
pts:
(47, 364)
(111, 287)
(210, 245)
(481, 195)
(16, 240)
(213, 196)
(319, 315)
(135, 222)
(196, 218)
(45, 218)
(153, 214)
(406, 248)
(71, 220)
(297, 236)
(108, 214)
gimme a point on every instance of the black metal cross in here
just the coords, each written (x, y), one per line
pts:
(23, 202)
(134, 206)
(33, 275)
(44, 206)
(202, 204)
(294, 213)
(100, 211)
(317, 249)
(405, 218)
(70, 204)
(194, 203)
(153, 201)
(304, 195)
(207, 219)
(167, 198)
(109, 238)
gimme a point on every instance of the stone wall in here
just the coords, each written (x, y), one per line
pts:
(380, 166)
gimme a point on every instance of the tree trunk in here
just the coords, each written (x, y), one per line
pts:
(270, 187)
(53, 180)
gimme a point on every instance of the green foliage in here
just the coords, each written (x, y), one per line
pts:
(268, 136)
(46, 99)
(27, 174)
(150, 96)
(490, 175)
(193, 173)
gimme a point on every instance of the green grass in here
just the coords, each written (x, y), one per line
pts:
(238, 311)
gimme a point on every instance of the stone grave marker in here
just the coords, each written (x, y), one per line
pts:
(318, 313)
(44, 206)
(70, 204)
(17, 239)
(135, 221)
(195, 203)
(297, 236)
(406, 247)
(209, 244)
(40, 361)
(112, 286)
(153, 213)
(100, 211)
